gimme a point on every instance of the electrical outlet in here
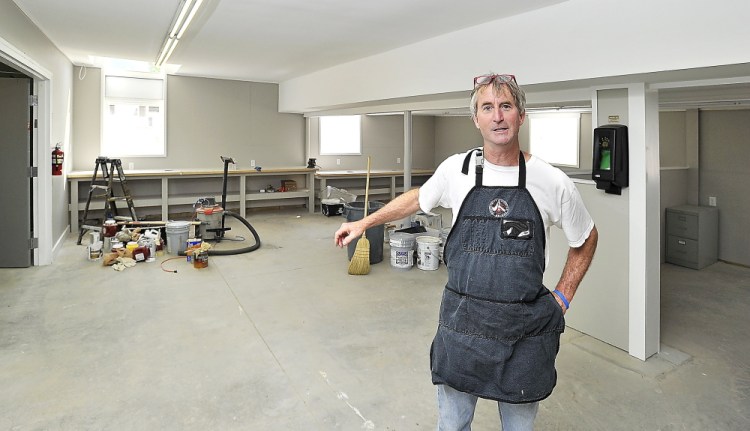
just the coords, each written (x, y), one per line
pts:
(712, 201)
(131, 166)
(398, 160)
(338, 161)
(252, 163)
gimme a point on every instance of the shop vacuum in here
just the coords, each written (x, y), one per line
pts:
(212, 218)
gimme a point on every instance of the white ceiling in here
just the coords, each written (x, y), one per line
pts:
(257, 40)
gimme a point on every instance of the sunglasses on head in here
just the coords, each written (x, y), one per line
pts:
(488, 79)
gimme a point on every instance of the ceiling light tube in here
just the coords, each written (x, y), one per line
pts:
(187, 13)
(178, 22)
(185, 25)
(174, 45)
(166, 51)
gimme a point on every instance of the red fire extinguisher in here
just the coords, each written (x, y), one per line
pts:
(57, 160)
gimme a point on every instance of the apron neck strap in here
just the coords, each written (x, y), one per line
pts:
(479, 163)
(521, 170)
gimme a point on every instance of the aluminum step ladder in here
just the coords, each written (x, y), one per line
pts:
(108, 175)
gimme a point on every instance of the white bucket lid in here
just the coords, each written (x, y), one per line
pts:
(401, 239)
(426, 239)
(177, 225)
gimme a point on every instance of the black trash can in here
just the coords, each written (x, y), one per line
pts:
(355, 211)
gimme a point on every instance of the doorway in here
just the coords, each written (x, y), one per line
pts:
(17, 121)
(39, 211)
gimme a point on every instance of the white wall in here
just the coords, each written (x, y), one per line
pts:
(206, 118)
(574, 40)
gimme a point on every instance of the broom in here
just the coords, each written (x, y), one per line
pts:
(360, 263)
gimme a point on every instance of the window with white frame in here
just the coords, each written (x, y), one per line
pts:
(340, 134)
(133, 117)
(555, 136)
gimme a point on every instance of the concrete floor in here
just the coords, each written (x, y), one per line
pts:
(283, 339)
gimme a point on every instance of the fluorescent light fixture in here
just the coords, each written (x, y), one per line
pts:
(180, 25)
(185, 25)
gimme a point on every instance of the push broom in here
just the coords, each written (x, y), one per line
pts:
(360, 263)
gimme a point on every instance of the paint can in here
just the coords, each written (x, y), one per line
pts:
(402, 250)
(200, 259)
(177, 236)
(428, 252)
(192, 245)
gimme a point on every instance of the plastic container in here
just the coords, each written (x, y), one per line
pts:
(141, 253)
(355, 211)
(94, 251)
(110, 228)
(402, 250)
(177, 236)
(331, 207)
(428, 252)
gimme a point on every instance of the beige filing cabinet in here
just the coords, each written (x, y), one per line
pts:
(692, 236)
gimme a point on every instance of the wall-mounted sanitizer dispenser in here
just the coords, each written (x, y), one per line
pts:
(610, 168)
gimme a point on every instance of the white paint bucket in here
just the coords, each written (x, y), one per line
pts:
(177, 236)
(402, 250)
(428, 252)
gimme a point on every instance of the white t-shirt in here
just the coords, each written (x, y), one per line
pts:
(554, 192)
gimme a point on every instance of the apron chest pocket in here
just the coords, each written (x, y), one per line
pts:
(498, 236)
(517, 229)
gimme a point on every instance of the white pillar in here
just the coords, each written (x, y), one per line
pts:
(644, 253)
(407, 150)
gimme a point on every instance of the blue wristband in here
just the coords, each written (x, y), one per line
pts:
(562, 298)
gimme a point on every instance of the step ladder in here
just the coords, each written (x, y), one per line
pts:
(108, 175)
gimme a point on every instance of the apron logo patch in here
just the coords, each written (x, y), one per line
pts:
(498, 207)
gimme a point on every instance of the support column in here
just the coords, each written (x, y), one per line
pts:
(692, 130)
(407, 150)
(644, 253)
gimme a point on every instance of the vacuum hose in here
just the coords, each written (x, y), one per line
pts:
(253, 247)
(212, 252)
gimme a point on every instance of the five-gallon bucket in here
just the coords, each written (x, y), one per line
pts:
(177, 236)
(355, 211)
(402, 250)
(428, 252)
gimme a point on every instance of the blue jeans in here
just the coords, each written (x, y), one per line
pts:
(456, 411)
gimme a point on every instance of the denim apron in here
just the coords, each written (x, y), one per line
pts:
(499, 329)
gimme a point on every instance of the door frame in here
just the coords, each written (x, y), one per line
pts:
(42, 184)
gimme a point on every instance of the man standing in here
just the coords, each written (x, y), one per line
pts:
(499, 328)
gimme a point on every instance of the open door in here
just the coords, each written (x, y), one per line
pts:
(16, 172)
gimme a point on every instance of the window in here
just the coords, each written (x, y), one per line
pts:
(340, 135)
(133, 117)
(554, 137)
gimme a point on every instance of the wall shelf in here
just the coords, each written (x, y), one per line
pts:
(382, 182)
(162, 189)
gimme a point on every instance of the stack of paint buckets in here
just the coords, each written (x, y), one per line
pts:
(403, 246)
